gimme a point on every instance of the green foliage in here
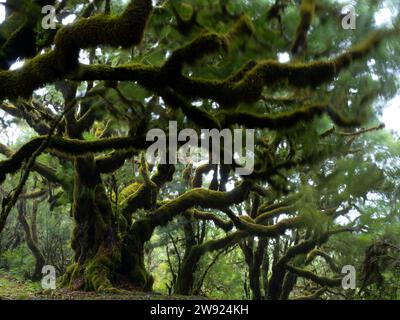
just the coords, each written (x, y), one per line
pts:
(206, 64)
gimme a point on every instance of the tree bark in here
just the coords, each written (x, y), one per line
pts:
(95, 241)
(30, 241)
(186, 277)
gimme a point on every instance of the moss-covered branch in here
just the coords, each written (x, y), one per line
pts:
(142, 195)
(283, 120)
(68, 146)
(318, 252)
(38, 120)
(18, 34)
(323, 281)
(122, 31)
(201, 215)
(279, 269)
(192, 258)
(314, 296)
(307, 11)
(199, 197)
(205, 44)
(114, 161)
(42, 169)
(288, 201)
(257, 229)
(262, 218)
(201, 46)
(246, 85)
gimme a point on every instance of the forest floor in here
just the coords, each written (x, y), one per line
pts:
(12, 288)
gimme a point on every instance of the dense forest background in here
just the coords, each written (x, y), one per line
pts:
(77, 192)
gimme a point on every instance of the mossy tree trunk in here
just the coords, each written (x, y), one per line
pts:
(108, 252)
(254, 257)
(132, 268)
(186, 277)
(95, 241)
(109, 249)
(31, 240)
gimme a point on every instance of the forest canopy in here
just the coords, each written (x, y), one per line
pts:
(82, 83)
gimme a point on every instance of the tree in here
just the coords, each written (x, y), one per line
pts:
(216, 67)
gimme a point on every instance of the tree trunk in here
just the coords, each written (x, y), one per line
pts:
(265, 271)
(95, 242)
(30, 241)
(186, 277)
(288, 285)
(255, 270)
(132, 268)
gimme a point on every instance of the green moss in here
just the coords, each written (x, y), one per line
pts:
(129, 191)
(97, 274)
(307, 11)
(70, 274)
(205, 44)
(248, 83)
(199, 116)
(323, 281)
(242, 27)
(68, 146)
(125, 31)
(284, 120)
(198, 197)
(362, 49)
(139, 276)
(132, 258)
(201, 46)
(244, 70)
(142, 197)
